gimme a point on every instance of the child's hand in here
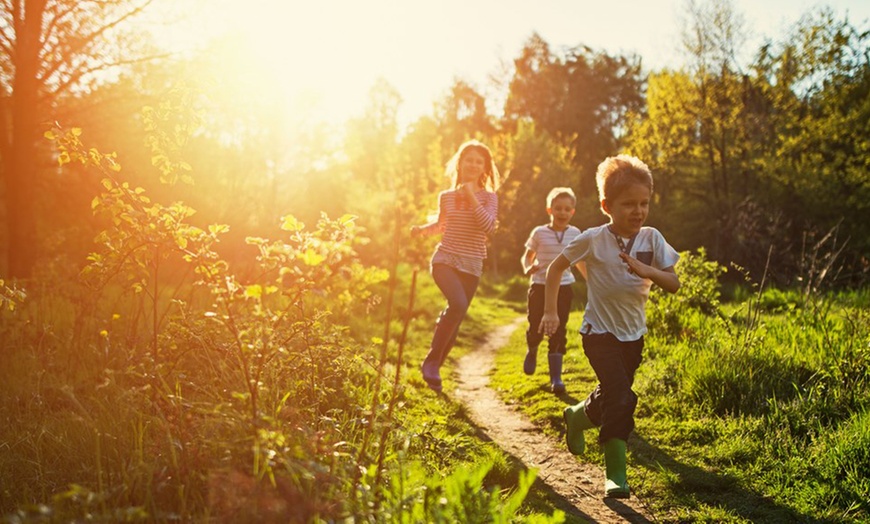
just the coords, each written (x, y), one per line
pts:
(416, 231)
(549, 324)
(637, 267)
(534, 268)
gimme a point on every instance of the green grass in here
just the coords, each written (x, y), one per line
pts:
(746, 423)
(749, 412)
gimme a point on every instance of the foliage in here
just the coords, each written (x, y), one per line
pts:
(579, 96)
(759, 415)
(247, 398)
(11, 296)
(671, 313)
(742, 154)
(51, 49)
(192, 362)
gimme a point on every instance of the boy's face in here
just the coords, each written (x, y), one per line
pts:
(561, 211)
(629, 210)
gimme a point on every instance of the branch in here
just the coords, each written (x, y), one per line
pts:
(85, 41)
(49, 30)
(80, 73)
(5, 38)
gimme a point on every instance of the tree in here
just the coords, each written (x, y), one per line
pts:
(461, 115)
(755, 161)
(580, 98)
(49, 48)
(821, 161)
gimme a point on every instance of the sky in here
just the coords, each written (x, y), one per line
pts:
(331, 52)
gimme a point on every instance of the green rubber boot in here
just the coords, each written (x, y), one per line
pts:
(615, 485)
(576, 422)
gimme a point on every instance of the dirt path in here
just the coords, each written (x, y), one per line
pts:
(578, 486)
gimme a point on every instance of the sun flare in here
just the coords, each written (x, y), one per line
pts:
(315, 59)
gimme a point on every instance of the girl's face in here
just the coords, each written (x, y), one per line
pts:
(629, 210)
(471, 166)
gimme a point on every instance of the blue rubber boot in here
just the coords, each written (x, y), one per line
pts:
(615, 484)
(556, 384)
(531, 361)
(576, 422)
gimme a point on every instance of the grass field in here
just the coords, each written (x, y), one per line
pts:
(752, 410)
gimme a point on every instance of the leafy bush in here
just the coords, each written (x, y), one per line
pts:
(669, 314)
(174, 388)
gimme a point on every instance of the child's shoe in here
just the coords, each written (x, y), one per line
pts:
(576, 422)
(531, 361)
(556, 384)
(615, 484)
(432, 378)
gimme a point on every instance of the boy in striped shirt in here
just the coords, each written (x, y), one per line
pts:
(545, 243)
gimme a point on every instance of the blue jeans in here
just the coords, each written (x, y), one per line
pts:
(458, 288)
(612, 403)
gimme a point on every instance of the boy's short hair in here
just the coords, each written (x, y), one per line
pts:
(616, 173)
(557, 192)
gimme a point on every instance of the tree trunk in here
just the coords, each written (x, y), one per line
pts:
(20, 165)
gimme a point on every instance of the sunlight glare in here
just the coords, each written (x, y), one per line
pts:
(319, 63)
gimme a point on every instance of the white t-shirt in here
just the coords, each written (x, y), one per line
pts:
(547, 245)
(616, 298)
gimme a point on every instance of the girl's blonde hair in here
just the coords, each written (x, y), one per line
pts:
(616, 173)
(489, 179)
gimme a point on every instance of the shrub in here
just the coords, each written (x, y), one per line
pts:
(669, 314)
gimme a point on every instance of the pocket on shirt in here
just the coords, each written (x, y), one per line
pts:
(645, 257)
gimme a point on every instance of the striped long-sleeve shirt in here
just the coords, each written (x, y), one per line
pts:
(465, 226)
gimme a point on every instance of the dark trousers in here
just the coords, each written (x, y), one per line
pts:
(458, 288)
(612, 403)
(558, 340)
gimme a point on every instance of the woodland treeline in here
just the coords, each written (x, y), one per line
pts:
(765, 162)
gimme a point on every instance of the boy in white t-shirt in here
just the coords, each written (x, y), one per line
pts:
(623, 261)
(543, 245)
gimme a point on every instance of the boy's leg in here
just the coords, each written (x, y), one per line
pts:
(612, 403)
(559, 339)
(576, 422)
(533, 336)
(615, 364)
(459, 289)
(616, 481)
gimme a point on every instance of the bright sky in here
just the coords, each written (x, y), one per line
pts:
(338, 48)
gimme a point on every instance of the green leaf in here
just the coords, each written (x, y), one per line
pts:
(291, 224)
(312, 258)
(255, 291)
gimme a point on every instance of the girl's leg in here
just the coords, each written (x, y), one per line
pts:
(458, 288)
(611, 405)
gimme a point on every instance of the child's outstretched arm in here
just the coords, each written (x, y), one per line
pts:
(530, 262)
(434, 226)
(666, 278)
(550, 320)
(426, 229)
(581, 267)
